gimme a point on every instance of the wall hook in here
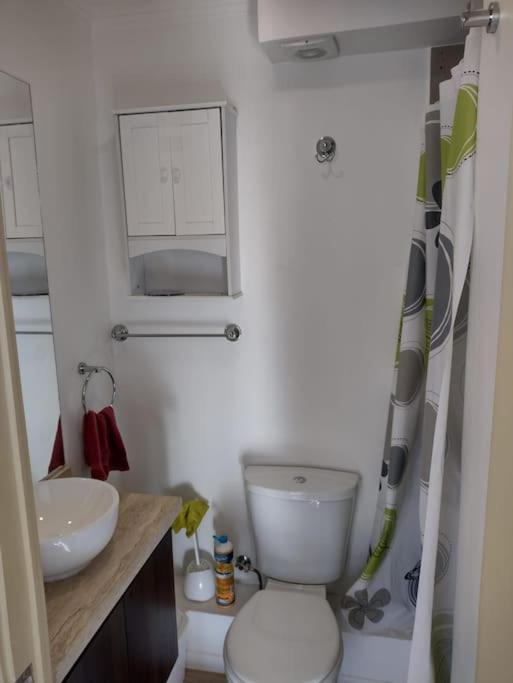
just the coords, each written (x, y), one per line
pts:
(325, 149)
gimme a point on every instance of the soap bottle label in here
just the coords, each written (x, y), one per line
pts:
(225, 589)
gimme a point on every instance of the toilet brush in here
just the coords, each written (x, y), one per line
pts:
(196, 547)
(199, 582)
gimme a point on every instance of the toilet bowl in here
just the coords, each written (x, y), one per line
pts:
(301, 519)
(283, 636)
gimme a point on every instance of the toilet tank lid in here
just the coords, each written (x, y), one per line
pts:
(301, 483)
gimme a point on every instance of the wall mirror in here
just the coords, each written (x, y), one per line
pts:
(21, 214)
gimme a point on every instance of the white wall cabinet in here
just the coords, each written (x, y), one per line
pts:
(19, 184)
(173, 171)
(180, 186)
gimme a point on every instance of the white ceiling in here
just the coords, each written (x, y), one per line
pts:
(110, 8)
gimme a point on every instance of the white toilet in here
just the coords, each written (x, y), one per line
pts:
(287, 633)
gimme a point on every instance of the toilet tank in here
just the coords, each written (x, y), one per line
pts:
(301, 519)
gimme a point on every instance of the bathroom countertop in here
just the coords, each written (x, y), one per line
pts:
(78, 606)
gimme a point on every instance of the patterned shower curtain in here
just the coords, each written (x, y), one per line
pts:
(408, 583)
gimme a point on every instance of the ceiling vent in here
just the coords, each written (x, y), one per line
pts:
(310, 49)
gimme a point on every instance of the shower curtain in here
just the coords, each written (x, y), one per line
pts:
(408, 583)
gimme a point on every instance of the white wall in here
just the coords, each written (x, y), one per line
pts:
(48, 45)
(323, 264)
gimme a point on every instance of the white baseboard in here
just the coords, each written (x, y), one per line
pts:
(374, 659)
(205, 640)
(205, 661)
(367, 659)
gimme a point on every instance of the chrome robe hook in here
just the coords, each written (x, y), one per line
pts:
(325, 149)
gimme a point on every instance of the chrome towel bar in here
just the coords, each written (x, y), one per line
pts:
(231, 332)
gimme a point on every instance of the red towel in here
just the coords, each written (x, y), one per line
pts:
(104, 450)
(57, 459)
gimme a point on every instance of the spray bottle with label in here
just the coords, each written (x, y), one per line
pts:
(225, 579)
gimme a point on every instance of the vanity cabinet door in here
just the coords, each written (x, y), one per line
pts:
(196, 153)
(150, 618)
(19, 184)
(105, 659)
(147, 175)
(137, 643)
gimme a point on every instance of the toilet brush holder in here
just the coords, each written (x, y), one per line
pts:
(199, 582)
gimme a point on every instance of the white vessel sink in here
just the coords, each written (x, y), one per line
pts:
(76, 520)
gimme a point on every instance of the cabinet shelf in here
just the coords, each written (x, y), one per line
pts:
(25, 245)
(211, 244)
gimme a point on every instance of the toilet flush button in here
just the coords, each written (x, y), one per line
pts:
(300, 480)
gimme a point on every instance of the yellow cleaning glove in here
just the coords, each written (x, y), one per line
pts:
(190, 516)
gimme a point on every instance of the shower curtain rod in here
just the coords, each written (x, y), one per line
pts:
(231, 332)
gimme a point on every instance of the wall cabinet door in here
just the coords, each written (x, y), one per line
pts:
(147, 174)
(18, 175)
(197, 171)
(173, 173)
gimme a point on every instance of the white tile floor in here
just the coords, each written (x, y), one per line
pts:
(203, 677)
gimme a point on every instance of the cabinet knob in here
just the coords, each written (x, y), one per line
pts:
(177, 175)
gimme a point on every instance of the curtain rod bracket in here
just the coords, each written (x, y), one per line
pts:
(119, 333)
(482, 18)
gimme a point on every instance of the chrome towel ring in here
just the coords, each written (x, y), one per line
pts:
(90, 370)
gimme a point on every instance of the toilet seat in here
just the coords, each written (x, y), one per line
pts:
(283, 637)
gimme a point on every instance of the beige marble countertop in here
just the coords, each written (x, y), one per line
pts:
(77, 607)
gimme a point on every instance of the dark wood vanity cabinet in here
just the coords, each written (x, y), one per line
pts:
(150, 618)
(105, 658)
(137, 643)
